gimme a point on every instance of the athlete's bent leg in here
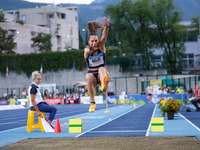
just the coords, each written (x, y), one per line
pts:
(104, 78)
(91, 83)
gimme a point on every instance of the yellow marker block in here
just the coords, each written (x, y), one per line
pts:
(115, 101)
(12, 101)
(124, 101)
(75, 125)
(119, 101)
(134, 105)
(128, 102)
(157, 124)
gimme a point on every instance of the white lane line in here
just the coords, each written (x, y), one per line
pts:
(60, 113)
(13, 122)
(53, 121)
(12, 129)
(8, 117)
(148, 130)
(190, 122)
(45, 114)
(108, 121)
(118, 131)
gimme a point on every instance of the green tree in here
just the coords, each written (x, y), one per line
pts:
(20, 22)
(86, 36)
(2, 15)
(131, 23)
(195, 23)
(112, 37)
(42, 42)
(6, 42)
(170, 33)
(67, 46)
(81, 44)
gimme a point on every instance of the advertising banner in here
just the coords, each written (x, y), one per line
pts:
(54, 101)
(22, 100)
(142, 99)
(111, 99)
(3, 102)
(86, 100)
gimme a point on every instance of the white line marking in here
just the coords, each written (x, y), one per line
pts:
(52, 122)
(189, 122)
(119, 131)
(35, 119)
(148, 130)
(11, 129)
(8, 117)
(14, 121)
(108, 121)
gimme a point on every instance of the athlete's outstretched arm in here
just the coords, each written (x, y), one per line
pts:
(105, 32)
(87, 52)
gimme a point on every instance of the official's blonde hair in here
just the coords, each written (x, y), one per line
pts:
(35, 74)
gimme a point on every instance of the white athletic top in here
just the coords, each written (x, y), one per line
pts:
(34, 89)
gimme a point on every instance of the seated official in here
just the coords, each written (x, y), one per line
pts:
(36, 102)
(195, 102)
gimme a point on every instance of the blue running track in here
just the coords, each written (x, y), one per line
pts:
(123, 120)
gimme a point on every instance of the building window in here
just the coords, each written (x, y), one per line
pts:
(71, 43)
(63, 16)
(58, 15)
(12, 32)
(59, 41)
(15, 47)
(157, 57)
(76, 18)
(23, 18)
(57, 32)
(191, 55)
(71, 30)
(51, 16)
(185, 56)
(58, 48)
(192, 36)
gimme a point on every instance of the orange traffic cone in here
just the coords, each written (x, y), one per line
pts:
(57, 127)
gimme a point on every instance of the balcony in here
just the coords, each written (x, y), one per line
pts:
(58, 32)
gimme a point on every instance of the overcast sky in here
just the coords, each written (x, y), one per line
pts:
(62, 1)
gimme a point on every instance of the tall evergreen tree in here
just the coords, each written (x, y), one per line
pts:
(86, 37)
(131, 23)
(6, 42)
(170, 33)
(42, 42)
(2, 16)
(81, 44)
(195, 23)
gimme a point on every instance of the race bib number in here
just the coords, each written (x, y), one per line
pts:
(97, 60)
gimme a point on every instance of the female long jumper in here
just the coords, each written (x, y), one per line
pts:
(95, 56)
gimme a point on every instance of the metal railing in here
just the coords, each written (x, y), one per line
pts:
(137, 84)
(131, 85)
(132, 63)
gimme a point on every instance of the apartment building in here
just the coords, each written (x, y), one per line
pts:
(60, 22)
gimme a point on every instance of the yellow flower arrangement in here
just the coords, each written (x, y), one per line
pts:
(162, 106)
(171, 105)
